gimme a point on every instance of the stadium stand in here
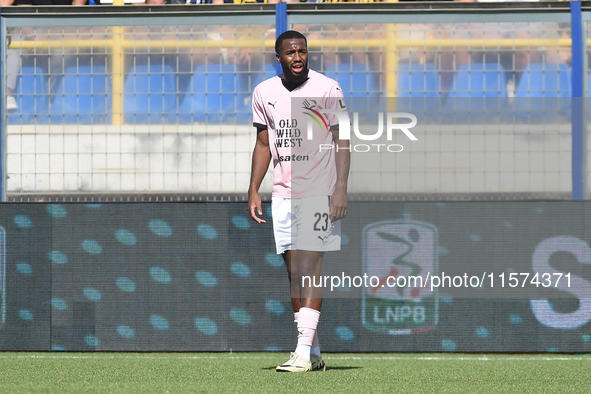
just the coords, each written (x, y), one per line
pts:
(83, 96)
(149, 93)
(216, 93)
(479, 93)
(357, 80)
(157, 75)
(31, 95)
(418, 88)
(543, 92)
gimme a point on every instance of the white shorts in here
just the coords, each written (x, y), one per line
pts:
(304, 224)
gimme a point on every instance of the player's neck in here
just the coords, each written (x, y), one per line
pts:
(290, 85)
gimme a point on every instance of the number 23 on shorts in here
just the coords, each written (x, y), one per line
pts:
(322, 221)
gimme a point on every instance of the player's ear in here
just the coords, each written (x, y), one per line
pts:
(278, 58)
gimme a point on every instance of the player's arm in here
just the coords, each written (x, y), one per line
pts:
(261, 157)
(338, 201)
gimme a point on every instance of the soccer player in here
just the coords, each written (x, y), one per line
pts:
(310, 171)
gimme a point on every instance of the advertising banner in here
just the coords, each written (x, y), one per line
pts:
(414, 276)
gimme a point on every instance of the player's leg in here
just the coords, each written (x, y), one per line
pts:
(310, 264)
(297, 362)
(304, 269)
(289, 256)
(315, 357)
(284, 238)
(313, 236)
(316, 235)
(292, 274)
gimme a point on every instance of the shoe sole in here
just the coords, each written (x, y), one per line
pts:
(288, 370)
(296, 366)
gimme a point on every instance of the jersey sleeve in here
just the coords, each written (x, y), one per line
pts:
(335, 100)
(258, 113)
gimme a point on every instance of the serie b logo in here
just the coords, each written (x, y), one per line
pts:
(403, 254)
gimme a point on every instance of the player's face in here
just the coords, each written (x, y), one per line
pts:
(294, 59)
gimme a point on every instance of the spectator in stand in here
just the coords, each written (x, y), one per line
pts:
(252, 1)
(514, 60)
(14, 56)
(344, 1)
(13, 70)
(42, 2)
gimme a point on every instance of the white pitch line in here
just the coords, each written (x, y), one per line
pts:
(274, 355)
(475, 358)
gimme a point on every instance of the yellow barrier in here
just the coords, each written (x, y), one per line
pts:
(118, 75)
(373, 43)
(118, 45)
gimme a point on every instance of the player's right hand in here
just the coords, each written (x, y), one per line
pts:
(255, 207)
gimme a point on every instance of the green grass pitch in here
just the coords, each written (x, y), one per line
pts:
(255, 372)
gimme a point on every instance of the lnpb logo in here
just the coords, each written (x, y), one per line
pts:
(402, 254)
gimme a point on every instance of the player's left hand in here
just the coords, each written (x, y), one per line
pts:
(255, 207)
(338, 205)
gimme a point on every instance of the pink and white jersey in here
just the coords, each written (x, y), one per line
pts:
(300, 167)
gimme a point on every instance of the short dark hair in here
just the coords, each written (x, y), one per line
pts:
(288, 35)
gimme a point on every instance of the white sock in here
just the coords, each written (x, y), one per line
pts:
(303, 351)
(307, 323)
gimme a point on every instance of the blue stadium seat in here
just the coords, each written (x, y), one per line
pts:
(149, 93)
(256, 77)
(82, 96)
(543, 93)
(358, 83)
(545, 80)
(356, 80)
(418, 80)
(418, 88)
(479, 94)
(216, 93)
(31, 96)
(250, 80)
